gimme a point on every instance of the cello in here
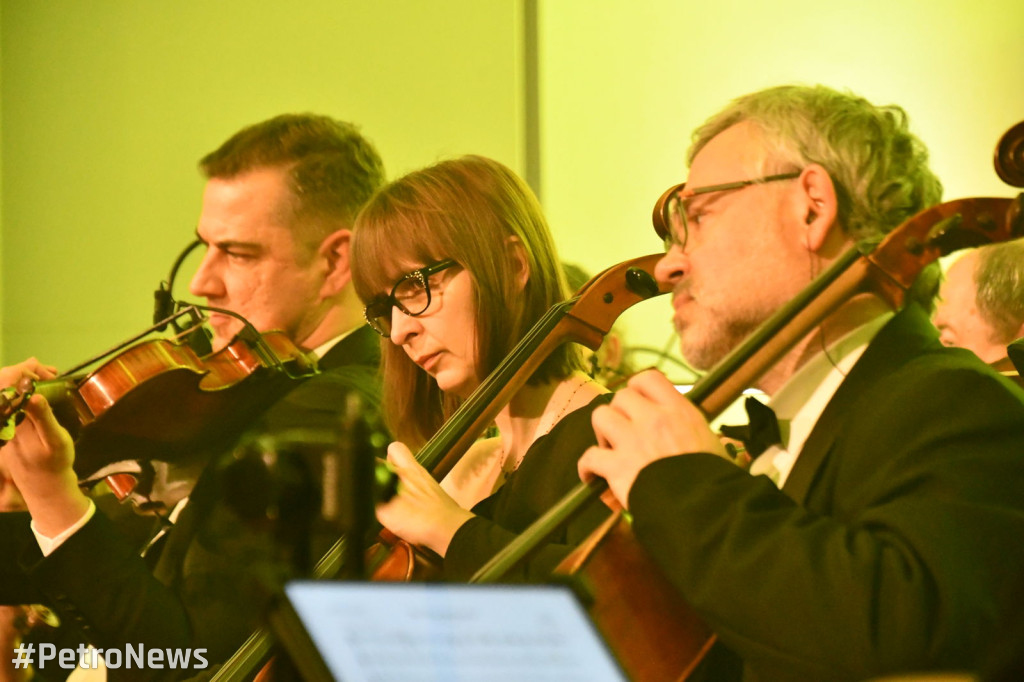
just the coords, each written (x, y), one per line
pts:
(611, 564)
(585, 318)
(856, 254)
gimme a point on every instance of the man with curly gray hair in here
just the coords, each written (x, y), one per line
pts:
(877, 531)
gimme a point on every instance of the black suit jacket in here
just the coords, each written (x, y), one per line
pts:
(211, 584)
(891, 545)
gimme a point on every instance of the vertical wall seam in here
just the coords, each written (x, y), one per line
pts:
(531, 96)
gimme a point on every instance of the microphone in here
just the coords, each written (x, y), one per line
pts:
(199, 341)
(163, 305)
(163, 298)
(198, 338)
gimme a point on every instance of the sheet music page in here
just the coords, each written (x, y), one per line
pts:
(381, 632)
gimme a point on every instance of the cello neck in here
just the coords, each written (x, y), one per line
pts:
(887, 271)
(585, 319)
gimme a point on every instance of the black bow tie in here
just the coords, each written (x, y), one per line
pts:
(761, 432)
(1016, 353)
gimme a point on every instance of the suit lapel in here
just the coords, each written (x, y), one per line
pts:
(361, 347)
(906, 336)
(171, 556)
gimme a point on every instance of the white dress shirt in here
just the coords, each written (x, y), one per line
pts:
(802, 399)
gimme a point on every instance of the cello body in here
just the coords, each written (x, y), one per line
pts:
(654, 634)
(611, 563)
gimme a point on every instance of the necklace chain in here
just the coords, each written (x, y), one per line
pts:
(506, 471)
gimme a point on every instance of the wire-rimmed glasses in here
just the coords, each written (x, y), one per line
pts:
(670, 212)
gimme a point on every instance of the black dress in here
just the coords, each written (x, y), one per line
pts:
(546, 474)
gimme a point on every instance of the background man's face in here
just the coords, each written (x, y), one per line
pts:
(957, 317)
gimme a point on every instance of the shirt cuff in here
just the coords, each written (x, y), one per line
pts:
(49, 545)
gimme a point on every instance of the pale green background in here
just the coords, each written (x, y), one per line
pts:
(107, 104)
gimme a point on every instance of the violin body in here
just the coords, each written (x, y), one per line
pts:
(158, 399)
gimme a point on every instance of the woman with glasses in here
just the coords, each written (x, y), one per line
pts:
(456, 263)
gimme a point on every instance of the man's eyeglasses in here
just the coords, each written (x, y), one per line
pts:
(670, 212)
(411, 295)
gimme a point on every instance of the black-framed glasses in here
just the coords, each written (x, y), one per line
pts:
(411, 295)
(670, 212)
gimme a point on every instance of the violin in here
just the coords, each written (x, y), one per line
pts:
(655, 635)
(159, 399)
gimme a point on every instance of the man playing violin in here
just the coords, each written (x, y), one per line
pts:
(877, 536)
(277, 210)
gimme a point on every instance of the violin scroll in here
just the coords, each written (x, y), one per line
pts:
(12, 400)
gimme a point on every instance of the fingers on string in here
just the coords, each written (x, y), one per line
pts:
(632, 404)
(30, 368)
(399, 454)
(655, 386)
(590, 463)
(612, 426)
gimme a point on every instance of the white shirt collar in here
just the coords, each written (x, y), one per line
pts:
(321, 350)
(802, 399)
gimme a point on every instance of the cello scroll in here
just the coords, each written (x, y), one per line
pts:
(1009, 156)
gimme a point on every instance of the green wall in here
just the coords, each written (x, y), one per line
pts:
(624, 83)
(107, 106)
(2, 318)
